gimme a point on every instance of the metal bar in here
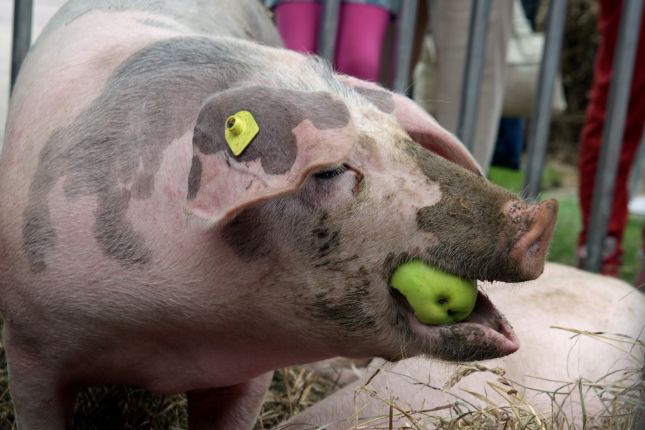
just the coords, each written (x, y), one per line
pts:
(473, 67)
(404, 40)
(328, 30)
(612, 136)
(539, 129)
(22, 14)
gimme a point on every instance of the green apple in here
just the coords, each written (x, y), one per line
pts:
(436, 296)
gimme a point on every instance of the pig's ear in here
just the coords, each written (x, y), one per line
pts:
(421, 127)
(254, 143)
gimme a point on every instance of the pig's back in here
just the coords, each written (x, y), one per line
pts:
(98, 146)
(243, 19)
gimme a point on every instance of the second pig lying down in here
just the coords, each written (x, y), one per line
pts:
(581, 360)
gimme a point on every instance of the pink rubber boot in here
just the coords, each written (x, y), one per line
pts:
(361, 31)
(298, 24)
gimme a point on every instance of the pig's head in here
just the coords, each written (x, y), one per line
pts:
(337, 190)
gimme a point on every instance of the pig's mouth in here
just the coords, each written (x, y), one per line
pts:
(484, 334)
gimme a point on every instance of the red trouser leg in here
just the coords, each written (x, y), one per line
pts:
(608, 25)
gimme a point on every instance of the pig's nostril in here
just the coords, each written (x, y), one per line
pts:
(529, 251)
(535, 247)
(443, 301)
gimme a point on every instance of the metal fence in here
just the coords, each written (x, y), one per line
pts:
(539, 128)
(22, 17)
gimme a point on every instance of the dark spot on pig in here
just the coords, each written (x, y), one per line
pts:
(464, 343)
(194, 177)
(382, 99)
(247, 235)
(114, 234)
(473, 236)
(338, 264)
(392, 262)
(329, 245)
(324, 239)
(37, 231)
(346, 314)
(347, 311)
(321, 233)
(366, 141)
(277, 112)
(143, 187)
(38, 235)
(120, 137)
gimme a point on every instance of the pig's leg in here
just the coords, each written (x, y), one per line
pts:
(234, 407)
(41, 398)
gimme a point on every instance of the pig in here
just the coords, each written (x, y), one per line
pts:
(137, 248)
(580, 330)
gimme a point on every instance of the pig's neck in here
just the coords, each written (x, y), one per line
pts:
(233, 326)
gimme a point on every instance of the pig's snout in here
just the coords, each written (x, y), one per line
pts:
(536, 224)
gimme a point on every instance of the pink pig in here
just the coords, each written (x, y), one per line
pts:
(136, 248)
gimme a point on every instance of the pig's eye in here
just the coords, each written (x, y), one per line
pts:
(331, 172)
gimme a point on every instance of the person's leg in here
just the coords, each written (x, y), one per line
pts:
(361, 31)
(591, 138)
(448, 19)
(510, 140)
(298, 24)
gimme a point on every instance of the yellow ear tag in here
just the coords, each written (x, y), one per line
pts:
(241, 129)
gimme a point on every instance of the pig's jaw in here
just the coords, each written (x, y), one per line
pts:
(485, 334)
